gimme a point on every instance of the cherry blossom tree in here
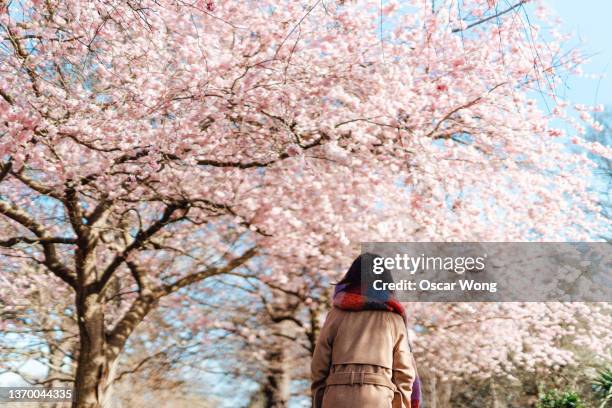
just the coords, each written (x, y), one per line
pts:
(603, 172)
(520, 344)
(146, 146)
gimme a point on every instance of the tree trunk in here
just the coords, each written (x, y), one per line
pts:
(431, 390)
(276, 390)
(495, 396)
(445, 392)
(95, 365)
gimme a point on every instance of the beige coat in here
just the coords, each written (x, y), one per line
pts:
(362, 360)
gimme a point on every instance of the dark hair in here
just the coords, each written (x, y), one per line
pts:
(361, 273)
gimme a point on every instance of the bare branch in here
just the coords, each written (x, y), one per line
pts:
(6, 97)
(27, 240)
(5, 168)
(140, 364)
(198, 276)
(141, 278)
(459, 108)
(34, 185)
(484, 20)
(256, 163)
(52, 261)
(147, 301)
(75, 214)
(139, 240)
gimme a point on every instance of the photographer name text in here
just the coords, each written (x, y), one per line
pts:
(425, 285)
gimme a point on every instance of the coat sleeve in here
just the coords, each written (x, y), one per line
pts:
(321, 362)
(404, 371)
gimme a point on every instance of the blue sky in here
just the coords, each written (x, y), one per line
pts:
(590, 22)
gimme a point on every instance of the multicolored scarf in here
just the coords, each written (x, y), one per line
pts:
(348, 297)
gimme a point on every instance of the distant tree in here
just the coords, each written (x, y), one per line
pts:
(603, 172)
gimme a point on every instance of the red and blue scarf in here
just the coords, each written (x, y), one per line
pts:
(351, 297)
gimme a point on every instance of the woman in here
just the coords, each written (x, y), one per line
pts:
(362, 358)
